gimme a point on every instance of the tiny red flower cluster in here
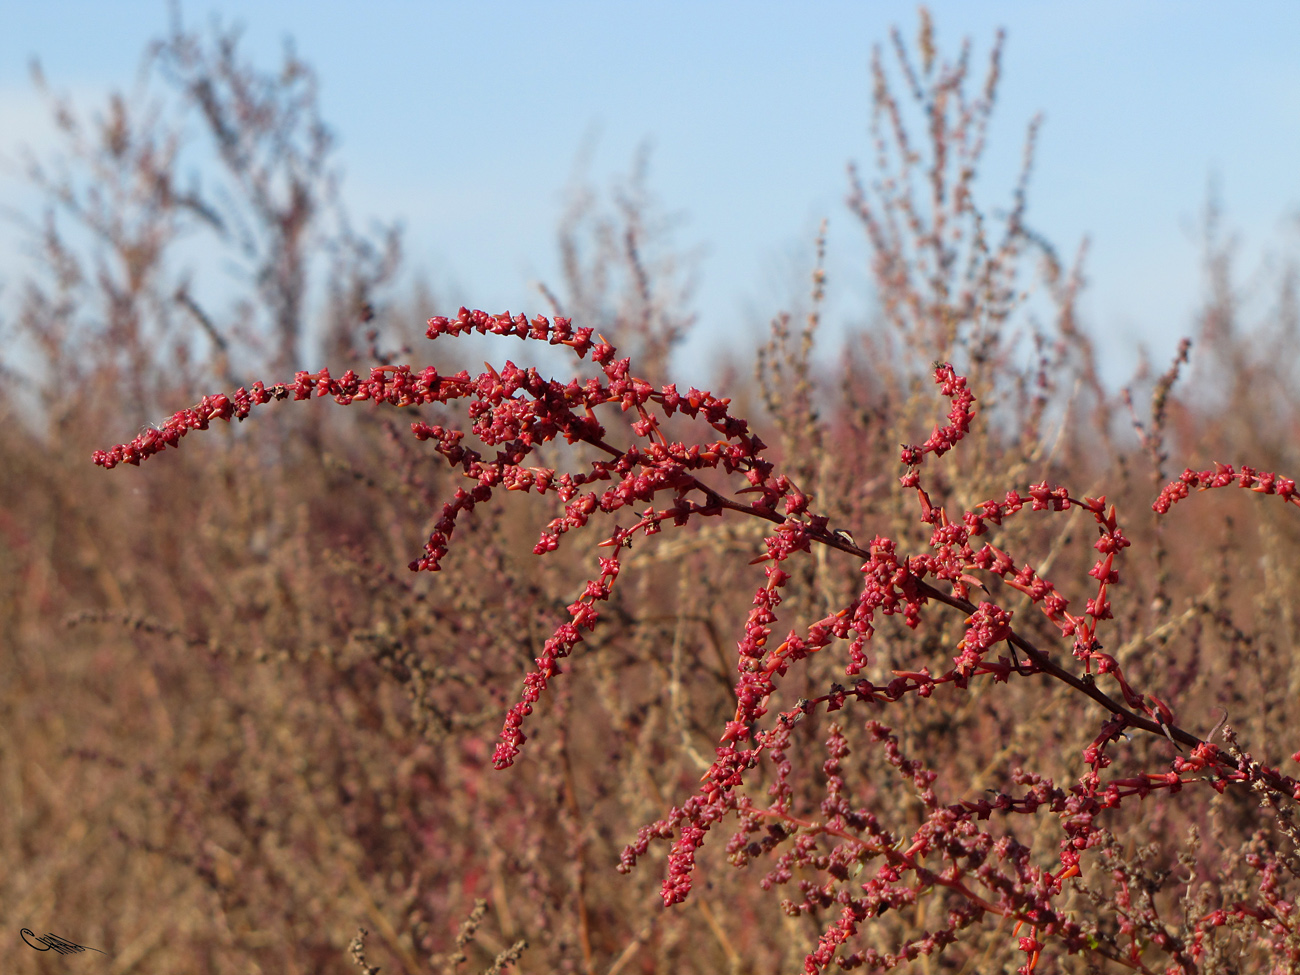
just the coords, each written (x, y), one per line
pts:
(515, 410)
(1261, 482)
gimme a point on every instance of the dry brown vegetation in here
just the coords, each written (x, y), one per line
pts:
(236, 729)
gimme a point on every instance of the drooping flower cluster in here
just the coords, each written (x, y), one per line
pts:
(515, 410)
(1261, 482)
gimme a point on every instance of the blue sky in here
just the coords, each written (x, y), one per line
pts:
(466, 120)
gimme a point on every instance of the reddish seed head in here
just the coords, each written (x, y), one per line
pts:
(512, 411)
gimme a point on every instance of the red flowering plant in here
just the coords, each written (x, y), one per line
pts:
(948, 814)
(646, 483)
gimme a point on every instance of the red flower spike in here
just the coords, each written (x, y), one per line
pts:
(512, 411)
